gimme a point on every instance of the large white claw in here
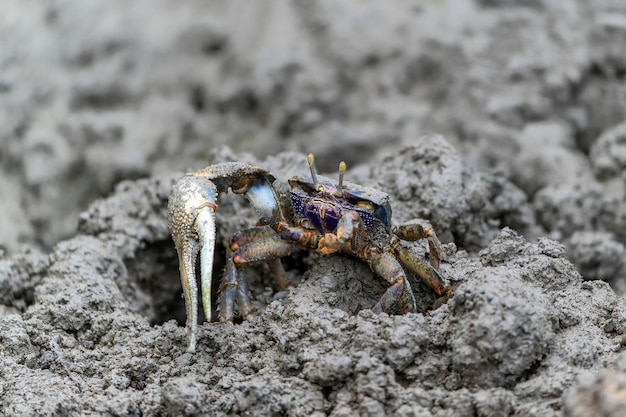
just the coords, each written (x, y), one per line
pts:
(191, 218)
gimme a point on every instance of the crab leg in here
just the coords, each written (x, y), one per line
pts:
(400, 292)
(244, 237)
(416, 231)
(263, 250)
(423, 270)
(278, 270)
(234, 286)
(228, 292)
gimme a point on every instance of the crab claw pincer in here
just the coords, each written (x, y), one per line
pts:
(191, 217)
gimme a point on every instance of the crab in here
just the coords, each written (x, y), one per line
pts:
(311, 213)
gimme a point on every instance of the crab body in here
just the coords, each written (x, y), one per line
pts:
(312, 213)
(321, 207)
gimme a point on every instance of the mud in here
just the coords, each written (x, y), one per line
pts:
(501, 123)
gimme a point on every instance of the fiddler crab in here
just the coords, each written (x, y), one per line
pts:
(312, 213)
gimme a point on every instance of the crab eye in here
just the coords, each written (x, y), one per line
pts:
(365, 206)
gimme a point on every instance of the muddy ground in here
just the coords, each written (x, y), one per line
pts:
(501, 122)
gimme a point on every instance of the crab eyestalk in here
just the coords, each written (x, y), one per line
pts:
(191, 218)
(310, 158)
(342, 170)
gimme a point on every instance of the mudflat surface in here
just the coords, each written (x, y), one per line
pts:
(502, 123)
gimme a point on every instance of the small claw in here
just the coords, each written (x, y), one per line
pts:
(191, 218)
(349, 225)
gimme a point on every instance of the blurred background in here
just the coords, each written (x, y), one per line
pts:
(94, 92)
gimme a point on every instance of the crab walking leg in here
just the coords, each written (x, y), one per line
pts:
(415, 231)
(234, 286)
(259, 233)
(228, 292)
(264, 250)
(400, 292)
(278, 270)
(246, 236)
(243, 297)
(426, 272)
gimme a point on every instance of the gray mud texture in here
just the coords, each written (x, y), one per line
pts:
(502, 123)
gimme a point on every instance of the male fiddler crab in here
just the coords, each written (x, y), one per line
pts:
(312, 213)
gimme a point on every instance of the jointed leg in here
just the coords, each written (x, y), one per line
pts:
(233, 287)
(243, 237)
(400, 294)
(263, 250)
(268, 247)
(259, 233)
(421, 230)
(423, 270)
(228, 292)
(276, 266)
